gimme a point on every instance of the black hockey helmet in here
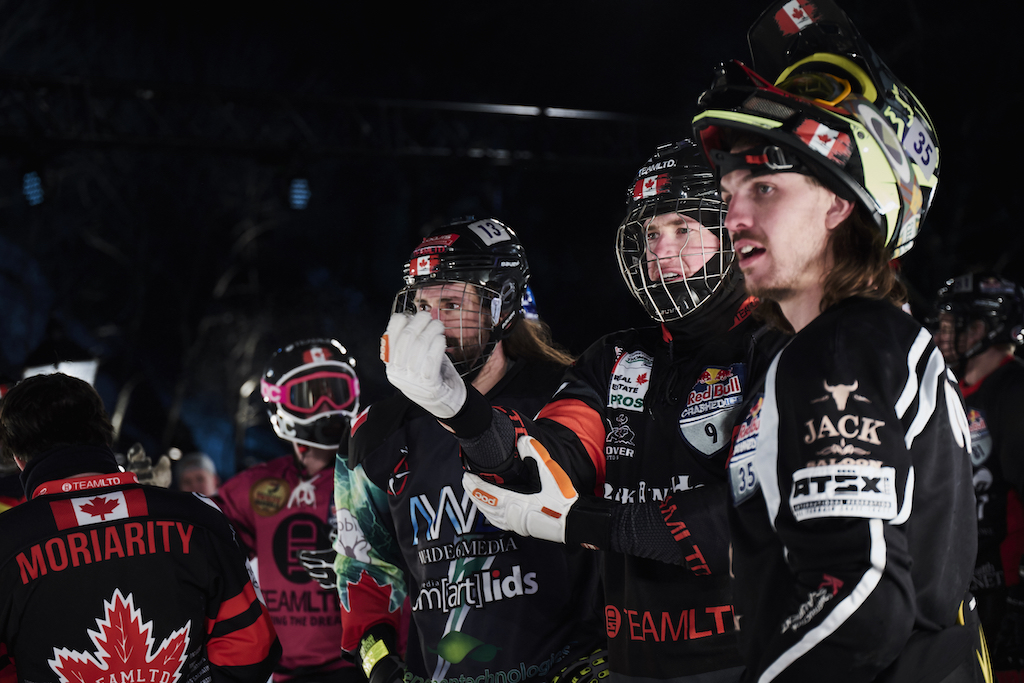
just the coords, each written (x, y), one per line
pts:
(994, 300)
(675, 180)
(829, 107)
(312, 392)
(481, 258)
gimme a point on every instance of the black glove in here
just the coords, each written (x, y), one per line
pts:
(1008, 653)
(319, 564)
(377, 656)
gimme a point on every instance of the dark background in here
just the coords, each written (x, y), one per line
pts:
(166, 136)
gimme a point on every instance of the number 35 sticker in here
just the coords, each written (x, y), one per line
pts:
(742, 477)
(919, 147)
(490, 232)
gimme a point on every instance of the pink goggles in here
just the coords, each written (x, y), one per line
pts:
(308, 393)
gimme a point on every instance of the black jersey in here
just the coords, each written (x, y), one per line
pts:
(995, 406)
(102, 579)
(853, 519)
(644, 419)
(485, 602)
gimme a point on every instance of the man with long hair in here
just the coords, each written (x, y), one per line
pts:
(852, 502)
(629, 454)
(485, 603)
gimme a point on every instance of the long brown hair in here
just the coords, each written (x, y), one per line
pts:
(861, 265)
(531, 340)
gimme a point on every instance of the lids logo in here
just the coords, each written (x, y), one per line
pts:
(485, 498)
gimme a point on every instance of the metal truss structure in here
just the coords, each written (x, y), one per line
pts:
(58, 113)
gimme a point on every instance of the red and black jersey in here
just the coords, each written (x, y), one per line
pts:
(643, 420)
(105, 579)
(994, 409)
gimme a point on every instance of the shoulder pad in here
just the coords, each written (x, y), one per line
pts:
(378, 422)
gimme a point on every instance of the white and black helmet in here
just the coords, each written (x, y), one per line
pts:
(675, 180)
(480, 258)
(312, 392)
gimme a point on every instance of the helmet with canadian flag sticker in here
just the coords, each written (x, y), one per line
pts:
(311, 392)
(824, 104)
(673, 250)
(472, 275)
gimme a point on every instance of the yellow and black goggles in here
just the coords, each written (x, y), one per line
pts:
(820, 88)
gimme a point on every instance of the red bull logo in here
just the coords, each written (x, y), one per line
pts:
(715, 375)
(752, 424)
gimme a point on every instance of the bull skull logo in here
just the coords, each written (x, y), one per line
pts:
(841, 393)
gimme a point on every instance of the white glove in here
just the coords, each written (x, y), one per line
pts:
(541, 515)
(412, 349)
(142, 466)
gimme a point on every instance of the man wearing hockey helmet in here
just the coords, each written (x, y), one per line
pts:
(629, 453)
(485, 602)
(980, 319)
(283, 509)
(852, 504)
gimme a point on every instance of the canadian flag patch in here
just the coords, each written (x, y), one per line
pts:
(795, 16)
(422, 265)
(651, 186)
(829, 143)
(98, 508)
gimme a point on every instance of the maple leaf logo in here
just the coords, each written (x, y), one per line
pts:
(798, 14)
(825, 137)
(641, 379)
(123, 646)
(101, 507)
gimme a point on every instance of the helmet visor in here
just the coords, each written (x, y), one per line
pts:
(308, 394)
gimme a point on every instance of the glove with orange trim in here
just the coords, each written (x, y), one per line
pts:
(413, 351)
(540, 515)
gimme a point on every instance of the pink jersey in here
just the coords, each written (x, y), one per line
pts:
(276, 514)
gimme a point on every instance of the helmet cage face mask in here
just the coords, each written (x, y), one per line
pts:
(995, 301)
(311, 392)
(467, 310)
(675, 286)
(480, 267)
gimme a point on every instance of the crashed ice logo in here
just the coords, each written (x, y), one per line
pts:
(123, 645)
